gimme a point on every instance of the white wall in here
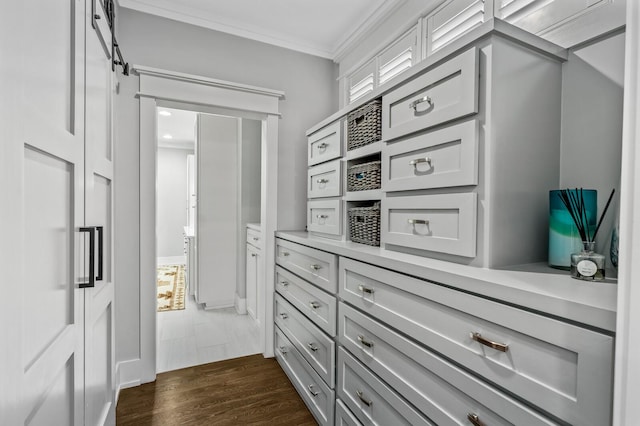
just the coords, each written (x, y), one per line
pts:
(311, 94)
(591, 149)
(172, 200)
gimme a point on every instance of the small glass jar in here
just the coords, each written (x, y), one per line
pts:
(587, 265)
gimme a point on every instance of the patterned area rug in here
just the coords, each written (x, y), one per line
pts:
(170, 287)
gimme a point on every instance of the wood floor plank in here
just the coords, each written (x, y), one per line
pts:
(250, 390)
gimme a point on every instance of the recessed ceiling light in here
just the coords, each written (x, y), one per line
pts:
(164, 113)
(167, 136)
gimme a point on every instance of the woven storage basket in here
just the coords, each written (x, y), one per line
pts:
(364, 225)
(364, 125)
(362, 177)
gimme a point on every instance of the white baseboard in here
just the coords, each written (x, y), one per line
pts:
(241, 305)
(219, 305)
(127, 376)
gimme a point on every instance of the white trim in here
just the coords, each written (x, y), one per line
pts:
(206, 81)
(627, 365)
(241, 305)
(158, 86)
(347, 44)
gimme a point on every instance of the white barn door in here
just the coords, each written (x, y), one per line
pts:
(42, 371)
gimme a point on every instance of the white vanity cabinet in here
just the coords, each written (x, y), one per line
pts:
(253, 267)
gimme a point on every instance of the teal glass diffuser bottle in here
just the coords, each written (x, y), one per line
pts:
(564, 238)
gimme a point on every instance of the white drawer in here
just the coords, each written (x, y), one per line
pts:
(344, 417)
(317, 305)
(444, 223)
(324, 216)
(436, 387)
(315, 392)
(370, 400)
(561, 368)
(317, 267)
(315, 346)
(253, 237)
(325, 144)
(445, 93)
(440, 159)
(325, 180)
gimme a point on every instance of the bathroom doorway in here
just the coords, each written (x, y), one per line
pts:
(208, 189)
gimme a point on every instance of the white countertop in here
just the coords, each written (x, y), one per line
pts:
(256, 226)
(535, 287)
(188, 232)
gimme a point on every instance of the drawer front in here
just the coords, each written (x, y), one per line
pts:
(315, 393)
(344, 417)
(325, 144)
(431, 384)
(253, 237)
(440, 159)
(317, 305)
(324, 216)
(315, 346)
(325, 180)
(370, 400)
(445, 223)
(561, 368)
(317, 267)
(445, 93)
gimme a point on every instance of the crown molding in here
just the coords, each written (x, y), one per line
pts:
(364, 30)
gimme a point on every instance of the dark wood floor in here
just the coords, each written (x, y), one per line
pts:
(245, 391)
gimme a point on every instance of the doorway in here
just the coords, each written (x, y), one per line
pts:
(207, 192)
(161, 88)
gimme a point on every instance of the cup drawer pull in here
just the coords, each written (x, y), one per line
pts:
(322, 216)
(315, 267)
(314, 305)
(365, 289)
(474, 419)
(365, 401)
(493, 345)
(284, 283)
(414, 105)
(284, 315)
(323, 145)
(312, 346)
(418, 222)
(283, 350)
(364, 342)
(322, 181)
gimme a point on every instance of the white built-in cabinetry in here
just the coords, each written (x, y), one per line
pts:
(254, 276)
(437, 326)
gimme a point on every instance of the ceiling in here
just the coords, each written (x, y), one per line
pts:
(180, 125)
(322, 28)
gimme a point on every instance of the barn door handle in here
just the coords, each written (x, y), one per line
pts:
(92, 256)
(100, 232)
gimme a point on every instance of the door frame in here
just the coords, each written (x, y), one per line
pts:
(162, 87)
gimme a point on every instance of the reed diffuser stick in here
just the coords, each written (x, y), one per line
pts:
(603, 213)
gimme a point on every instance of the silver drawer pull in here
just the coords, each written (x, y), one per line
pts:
(312, 346)
(255, 238)
(322, 181)
(323, 145)
(315, 267)
(417, 161)
(284, 283)
(313, 392)
(284, 315)
(364, 342)
(283, 350)
(414, 105)
(493, 345)
(285, 253)
(314, 305)
(364, 289)
(365, 401)
(322, 216)
(418, 222)
(253, 255)
(475, 420)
